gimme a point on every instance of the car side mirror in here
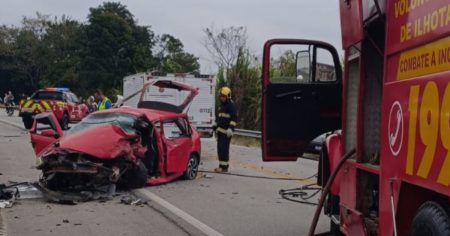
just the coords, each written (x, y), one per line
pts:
(49, 133)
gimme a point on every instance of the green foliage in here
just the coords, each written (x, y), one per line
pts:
(244, 78)
(173, 58)
(239, 70)
(113, 47)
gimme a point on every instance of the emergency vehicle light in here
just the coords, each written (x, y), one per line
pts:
(58, 89)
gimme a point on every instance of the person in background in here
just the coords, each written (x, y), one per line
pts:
(103, 101)
(91, 104)
(9, 98)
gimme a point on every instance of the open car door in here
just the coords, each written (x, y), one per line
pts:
(178, 144)
(302, 96)
(45, 131)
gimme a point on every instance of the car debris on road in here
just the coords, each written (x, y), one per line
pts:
(10, 193)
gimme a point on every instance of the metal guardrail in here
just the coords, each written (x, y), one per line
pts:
(248, 133)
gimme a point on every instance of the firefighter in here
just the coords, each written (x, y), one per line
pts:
(224, 127)
(103, 101)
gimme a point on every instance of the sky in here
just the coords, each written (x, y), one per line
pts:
(186, 19)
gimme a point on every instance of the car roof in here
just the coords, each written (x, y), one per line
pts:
(151, 114)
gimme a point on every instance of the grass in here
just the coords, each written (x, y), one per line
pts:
(246, 141)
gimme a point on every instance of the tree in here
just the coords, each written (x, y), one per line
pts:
(173, 58)
(21, 65)
(245, 81)
(239, 70)
(114, 46)
(224, 45)
(60, 50)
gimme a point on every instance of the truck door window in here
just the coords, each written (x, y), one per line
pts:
(325, 66)
(303, 64)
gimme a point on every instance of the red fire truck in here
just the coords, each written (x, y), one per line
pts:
(385, 164)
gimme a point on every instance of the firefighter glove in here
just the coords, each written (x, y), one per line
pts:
(229, 133)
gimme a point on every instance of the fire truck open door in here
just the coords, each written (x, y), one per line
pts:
(302, 96)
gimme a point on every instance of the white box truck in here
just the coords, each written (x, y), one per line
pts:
(201, 110)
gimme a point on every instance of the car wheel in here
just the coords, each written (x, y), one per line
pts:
(65, 122)
(27, 122)
(192, 167)
(431, 219)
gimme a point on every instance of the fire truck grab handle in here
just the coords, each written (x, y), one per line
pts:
(326, 190)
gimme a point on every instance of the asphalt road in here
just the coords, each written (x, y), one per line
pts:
(211, 204)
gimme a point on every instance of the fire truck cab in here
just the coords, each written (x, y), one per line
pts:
(388, 102)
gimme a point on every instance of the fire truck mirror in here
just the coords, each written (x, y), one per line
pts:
(303, 62)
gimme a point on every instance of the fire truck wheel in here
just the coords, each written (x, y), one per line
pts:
(27, 122)
(65, 122)
(192, 168)
(431, 219)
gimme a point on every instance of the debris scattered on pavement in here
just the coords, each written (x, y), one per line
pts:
(102, 193)
(208, 176)
(132, 200)
(28, 191)
(204, 175)
(8, 195)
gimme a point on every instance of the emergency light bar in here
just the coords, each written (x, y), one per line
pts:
(58, 89)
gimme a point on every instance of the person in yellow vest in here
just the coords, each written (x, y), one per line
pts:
(103, 101)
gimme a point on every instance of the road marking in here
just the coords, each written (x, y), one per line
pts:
(2, 224)
(178, 212)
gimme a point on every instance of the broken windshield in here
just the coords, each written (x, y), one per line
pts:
(124, 121)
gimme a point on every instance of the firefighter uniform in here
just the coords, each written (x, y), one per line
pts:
(226, 118)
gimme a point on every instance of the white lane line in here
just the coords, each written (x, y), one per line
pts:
(3, 231)
(178, 212)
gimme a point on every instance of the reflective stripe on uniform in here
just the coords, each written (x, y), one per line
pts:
(223, 163)
(224, 131)
(226, 115)
(232, 123)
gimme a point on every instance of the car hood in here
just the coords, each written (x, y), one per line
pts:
(104, 142)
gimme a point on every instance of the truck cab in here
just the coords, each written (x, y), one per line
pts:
(389, 110)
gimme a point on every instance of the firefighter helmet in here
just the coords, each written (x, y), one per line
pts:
(225, 91)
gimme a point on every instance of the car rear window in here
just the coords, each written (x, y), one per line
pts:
(48, 95)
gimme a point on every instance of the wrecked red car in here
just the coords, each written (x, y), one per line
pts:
(128, 147)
